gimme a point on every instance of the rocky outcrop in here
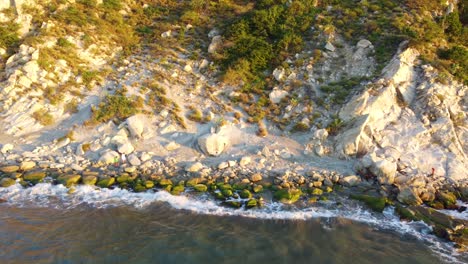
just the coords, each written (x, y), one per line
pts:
(407, 117)
(213, 144)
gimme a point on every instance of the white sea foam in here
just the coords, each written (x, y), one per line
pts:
(47, 195)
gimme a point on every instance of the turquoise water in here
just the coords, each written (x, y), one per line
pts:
(44, 225)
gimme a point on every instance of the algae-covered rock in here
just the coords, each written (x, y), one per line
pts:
(9, 169)
(227, 192)
(167, 188)
(192, 182)
(34, 176)
(288, 196)
(218, 195)
(375, 203)
(124, 177)
(240, 186)
(165, 182)
(106, 182)
(257, 188)
(408, 196)
(149, 184)
(251, 203)
(200, 187)
(233, 204)
(447, 198)
(89, 180)
(139, 188)
(177, 190)
(245, 194)
(7, 182)
(313, 199)
(316, 191)
(69, 180)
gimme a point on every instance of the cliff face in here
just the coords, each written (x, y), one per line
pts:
(409, 120)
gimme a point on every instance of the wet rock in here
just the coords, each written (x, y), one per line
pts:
(149, 184)
(165, 182)
(375, 203)
(106, 182)
(9, 169)
(408, 196)
(69, 180)
(288, 196)
(200, 187)
(7, 182)
(34, 176)
(251, 203)
(177, 190)
(89, 180)
(447, 198)
(245, 194)
(316, 191)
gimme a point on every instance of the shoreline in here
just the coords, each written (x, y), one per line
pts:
(238, 186)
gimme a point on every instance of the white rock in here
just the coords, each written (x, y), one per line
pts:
(321, 134)
(126, 148)
(277, 95)
(385, 171)
(76, 167)
(278, 73)
(172, 146)
(213, 144)
(195, 167)
(62, 143)
(6, 148)
(188, 68)
(350, 181)
(134, 160)
(2, 52)
(203, 64)
(109, 157)
(223, 165)
(364, 43)
(245, 161)
(27, 165)
(167, 34)
(215, 44)
(145, 156)
(136, 125)
(330, 47)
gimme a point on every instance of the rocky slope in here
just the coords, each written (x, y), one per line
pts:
(399, 130)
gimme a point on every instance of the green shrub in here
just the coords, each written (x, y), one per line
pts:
(115, 106)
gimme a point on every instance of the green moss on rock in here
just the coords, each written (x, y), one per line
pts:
(200, 187)
(447, 198)
(375, 203)
(192, 182)
(7, 182)
(257, 188)
(316, 191)
(251, 203)
(177, 190)
(69, 180)
(288, 196)
(34, 176)
(149, 184)
(165, 182)
(89, 180)
(245, 194)
(106, 182)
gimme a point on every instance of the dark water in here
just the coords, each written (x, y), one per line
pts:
(160, 234)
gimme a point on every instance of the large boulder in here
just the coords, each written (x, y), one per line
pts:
(109, 157)
(136, 125)
(213, 144)
(277, 95)
(408, 196)
(385, 171)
